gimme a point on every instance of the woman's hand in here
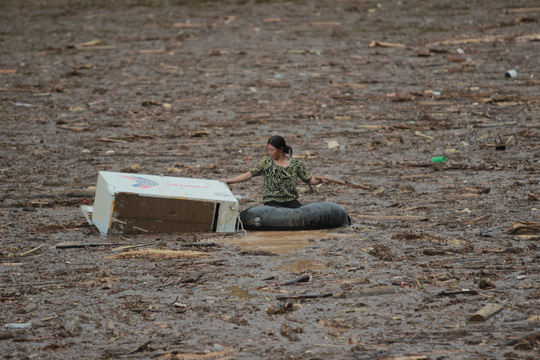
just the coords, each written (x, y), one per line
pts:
(316, 180)
(240, 178)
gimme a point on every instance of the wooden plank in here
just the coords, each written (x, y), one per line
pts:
(521, 10)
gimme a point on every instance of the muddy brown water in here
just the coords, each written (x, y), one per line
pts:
(283, 242)
(194, 89)
(286, 243)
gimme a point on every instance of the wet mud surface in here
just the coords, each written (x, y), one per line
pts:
(367, 92)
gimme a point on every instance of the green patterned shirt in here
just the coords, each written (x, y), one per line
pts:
(280, 182)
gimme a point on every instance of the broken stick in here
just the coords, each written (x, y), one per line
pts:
(346, 183)
(32, 251)
(74, 245)
(306, 296)
(463, 291)
(299, 279)
(122, 248)
(474, 221)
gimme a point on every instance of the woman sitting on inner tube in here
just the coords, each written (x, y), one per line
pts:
(280, 175)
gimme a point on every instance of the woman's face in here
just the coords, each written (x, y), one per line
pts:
(274, 153)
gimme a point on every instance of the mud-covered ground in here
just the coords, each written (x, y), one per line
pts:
(194, 89)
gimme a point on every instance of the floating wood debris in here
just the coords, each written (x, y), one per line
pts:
(299, 279)
(386, 44)
(304, 296)
(486, 312)
(458, 292)
(524, 227)
(159, 254)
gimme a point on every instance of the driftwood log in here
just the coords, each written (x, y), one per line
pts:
(299, 279)
(524, 227)
(486, 312)
(458, 292)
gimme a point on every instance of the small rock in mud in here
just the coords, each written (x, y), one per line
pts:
(217, 348)
(484, 233)
(236, 320)
(512, 250)
(281, 308)
(406, 189)
(465, 249)
(133, 168)
(290, 332)
(408, 236)
(336, 324)
(487, 274)
(524, 344)
(486, 284)
(358, 348)
(432, 252)
(529, 343)
(383, 253)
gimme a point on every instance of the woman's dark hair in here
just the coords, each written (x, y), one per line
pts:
(279, 143)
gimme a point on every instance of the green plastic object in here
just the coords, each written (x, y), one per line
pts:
(438, 159)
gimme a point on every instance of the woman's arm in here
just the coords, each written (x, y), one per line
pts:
(318, 180)
(240, 178)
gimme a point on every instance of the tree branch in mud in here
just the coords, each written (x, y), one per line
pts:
(185, 281)
(346, 183)
(72, 245)
(305, 296)
(299, 279)
(464, 292)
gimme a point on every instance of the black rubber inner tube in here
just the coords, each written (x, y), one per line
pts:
(320, 215)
